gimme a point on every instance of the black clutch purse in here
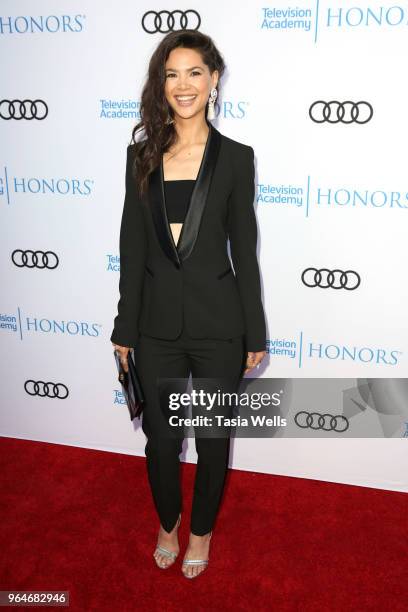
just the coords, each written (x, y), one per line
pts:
(131, 386)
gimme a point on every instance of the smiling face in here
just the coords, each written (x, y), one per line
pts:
(188, 82)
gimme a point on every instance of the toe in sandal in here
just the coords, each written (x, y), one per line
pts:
(196, 562)
(166, 553)
(170, 554)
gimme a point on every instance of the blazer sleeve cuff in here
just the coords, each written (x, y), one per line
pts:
(253, 345)
(123, 340)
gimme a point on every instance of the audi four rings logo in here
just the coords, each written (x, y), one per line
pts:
(23, 109)
(326, 422)
(341, 112)
(46, 389)
(34, 259)
(336, 279)
(168, 21)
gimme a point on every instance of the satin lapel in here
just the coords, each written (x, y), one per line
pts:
(191, 225)
(159, 214)
(192, 221)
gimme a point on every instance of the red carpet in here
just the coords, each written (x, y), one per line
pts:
(83, 520)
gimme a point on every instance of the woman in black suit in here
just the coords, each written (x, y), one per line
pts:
(182, 307)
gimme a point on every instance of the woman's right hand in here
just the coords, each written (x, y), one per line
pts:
(123, 355)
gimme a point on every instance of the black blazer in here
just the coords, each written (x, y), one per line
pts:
(158, 278)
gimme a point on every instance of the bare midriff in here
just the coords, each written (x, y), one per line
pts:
(176, 231)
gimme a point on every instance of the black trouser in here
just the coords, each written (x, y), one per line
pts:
(155, 357)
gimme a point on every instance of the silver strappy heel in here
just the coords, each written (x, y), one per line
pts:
(165, 552)
(196, 562)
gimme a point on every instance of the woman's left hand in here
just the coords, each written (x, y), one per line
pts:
(253, 360)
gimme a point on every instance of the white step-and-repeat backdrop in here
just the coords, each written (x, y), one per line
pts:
(318, 88)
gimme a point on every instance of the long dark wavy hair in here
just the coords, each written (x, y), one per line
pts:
(154, 108)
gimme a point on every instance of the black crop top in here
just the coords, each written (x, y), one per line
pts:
(178, 194)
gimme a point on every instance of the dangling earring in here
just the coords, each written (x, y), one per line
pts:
(213, 97)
